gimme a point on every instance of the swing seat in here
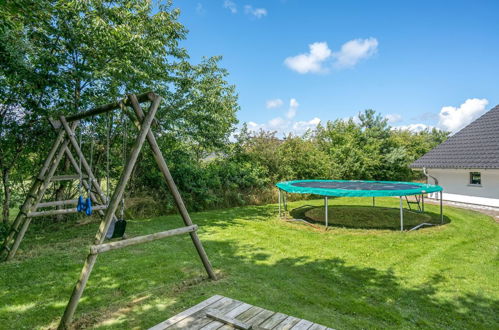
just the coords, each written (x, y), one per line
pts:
(116, 229)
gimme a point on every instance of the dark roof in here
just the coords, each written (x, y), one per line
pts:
(475, 146)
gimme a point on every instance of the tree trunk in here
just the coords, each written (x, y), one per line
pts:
(6, 197)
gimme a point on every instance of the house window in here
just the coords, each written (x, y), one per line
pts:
(475, 178)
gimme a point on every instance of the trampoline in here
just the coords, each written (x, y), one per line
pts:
(360, 188)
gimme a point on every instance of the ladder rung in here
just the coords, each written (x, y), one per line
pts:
(57, 203)
(68, 177)
(94, 249)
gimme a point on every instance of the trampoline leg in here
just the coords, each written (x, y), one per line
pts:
(401, 215)
(422, 203)
(285, 202)
(279, 198)
(325, 207)
(374, 203)
(441, 208)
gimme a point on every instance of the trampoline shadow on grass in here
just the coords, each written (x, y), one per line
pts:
(366, 217)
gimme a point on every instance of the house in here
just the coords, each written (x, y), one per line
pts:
(467, 164)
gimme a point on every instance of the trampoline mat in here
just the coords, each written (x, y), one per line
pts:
(355, 185)
(353, 188)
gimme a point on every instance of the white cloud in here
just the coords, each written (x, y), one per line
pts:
(200, 9)
(301, 127)
(274, 103)
(231, 6)
(348, 56)
(276, 122)
(393, 118)
(255, 12)
(285, 126)
(353, 51)
(312, 61)
(293, 106)
(412, 127)
(453, 119)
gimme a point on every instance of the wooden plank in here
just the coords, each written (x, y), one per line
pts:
(224, 319)
(233, 313)
(198, 320)
(302, 325)
(68, 177)
(273, 321)
(287, 323)
(316, 326)
(260, 317)
(62, 211)
(254, 310)
(174, 319)
(140, 239)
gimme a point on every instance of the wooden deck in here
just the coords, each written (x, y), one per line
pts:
(220, 312)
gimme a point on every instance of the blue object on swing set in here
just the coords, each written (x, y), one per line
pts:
(84, 205)
(81, 204)
(88, 206)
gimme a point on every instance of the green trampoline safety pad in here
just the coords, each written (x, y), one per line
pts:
(357, 188)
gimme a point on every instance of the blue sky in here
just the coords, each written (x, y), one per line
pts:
(433, 63)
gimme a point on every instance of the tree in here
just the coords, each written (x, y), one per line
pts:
(78, 54)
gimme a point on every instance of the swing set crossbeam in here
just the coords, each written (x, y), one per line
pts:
(95, 249)
(148, 96)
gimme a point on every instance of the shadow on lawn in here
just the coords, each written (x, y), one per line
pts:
(326, 291)
(380, 217)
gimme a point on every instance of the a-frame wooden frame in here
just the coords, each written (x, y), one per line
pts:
(66, 137)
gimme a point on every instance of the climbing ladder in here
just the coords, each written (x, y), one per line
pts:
(418, 202)
(33, 202)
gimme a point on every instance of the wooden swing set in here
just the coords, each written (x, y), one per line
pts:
(106, 207)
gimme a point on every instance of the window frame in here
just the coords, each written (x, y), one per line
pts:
(471, 179)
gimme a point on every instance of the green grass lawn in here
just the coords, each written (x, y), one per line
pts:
(437, 277)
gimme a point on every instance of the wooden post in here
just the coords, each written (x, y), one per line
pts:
(113, 205)
(158, 156)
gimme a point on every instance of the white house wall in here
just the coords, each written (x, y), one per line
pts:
(457, 188)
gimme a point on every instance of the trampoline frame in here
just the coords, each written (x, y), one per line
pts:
(282, 199)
